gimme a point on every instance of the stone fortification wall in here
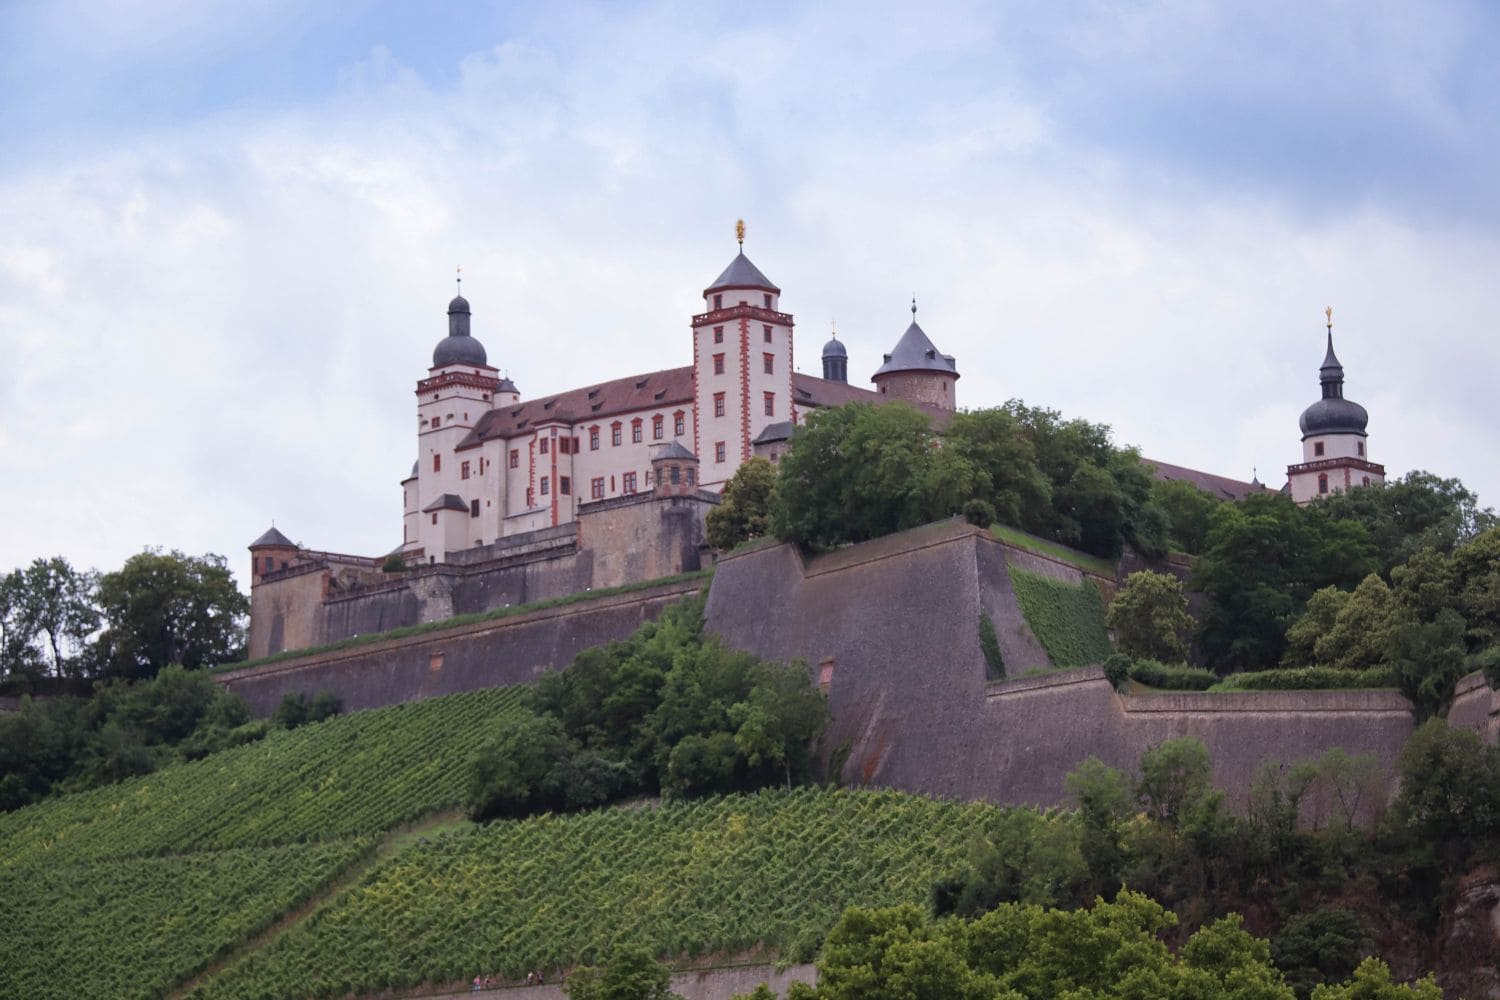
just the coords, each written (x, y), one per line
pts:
(1476, 707)
(721, 983)
(898, 617)
(642, 537)
(513, 650)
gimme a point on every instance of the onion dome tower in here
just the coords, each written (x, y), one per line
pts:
(917, 371)
(835, 360)
(1334, 453)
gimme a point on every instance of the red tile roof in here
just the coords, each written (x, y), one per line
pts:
(671, 387)
(1219, 486)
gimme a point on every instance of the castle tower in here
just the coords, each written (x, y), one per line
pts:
(742, 366)
(1334, 456)
(269, 553)
(917, 371)
(835, 361)
(674, 471)
(460, 387)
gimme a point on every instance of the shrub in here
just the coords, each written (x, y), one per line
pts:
(1149, 617)
(980, 513)
(1176, 677)
(393, 564)
(1309, 679)
(989, 644)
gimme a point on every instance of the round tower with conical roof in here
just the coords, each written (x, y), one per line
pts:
(742, 367)
(1335, 456)
(917, 371)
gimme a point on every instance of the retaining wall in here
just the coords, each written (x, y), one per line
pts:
(503, 651)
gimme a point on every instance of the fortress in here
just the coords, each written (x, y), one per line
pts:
(511, 501)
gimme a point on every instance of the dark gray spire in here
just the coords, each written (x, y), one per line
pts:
(458, 348)
(835, 361)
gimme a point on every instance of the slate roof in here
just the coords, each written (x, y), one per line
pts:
(1221, 487)
(741, 274)
(448, 501)
(668, 388)
(272, 537)
(673, 449)
(779, 431)
(915, 352)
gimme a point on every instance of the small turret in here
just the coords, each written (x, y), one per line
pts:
(917, 371)
(835, 360)
(270, 553)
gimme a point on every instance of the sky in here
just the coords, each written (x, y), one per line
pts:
(228, 232)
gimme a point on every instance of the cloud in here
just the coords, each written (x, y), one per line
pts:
(212, 324)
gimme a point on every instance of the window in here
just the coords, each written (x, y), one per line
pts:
(565, 486)
(614, 434)
(635, 431)
(676, 474)
(1366, 481)
(658, 427)
(542, 448)
(627, 483)
(268, 564)
(1317, 447)
(562, 446)
(770, 400)
(593, 439)
(768, 300)
(679, 427)
(718, 364)
(718, 302)
(434, 517)
(773, 457)
(1323, 483)
(437, 463)
(473, 508)
(596, 488)
(1360, 445)
(766, 330)
(463, 470)
(718, 335)
(718, 451)
(515, 458)
(545, 485)
(718, 404)
(690, 475)
(768, 362)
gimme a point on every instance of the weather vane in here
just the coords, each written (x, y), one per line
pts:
(739, 232)
(1329, 313)
(914, 307)
(460, 272)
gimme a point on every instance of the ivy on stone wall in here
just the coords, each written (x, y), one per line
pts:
(1066, 618)
(989, 644)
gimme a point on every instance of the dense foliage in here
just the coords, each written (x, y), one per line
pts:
(717, 875)
(68, 744)
(1066, 618)
(135, 927)
(157, 609)
(1149, 617)
(744, 510)
(351, 775)
(668, 709)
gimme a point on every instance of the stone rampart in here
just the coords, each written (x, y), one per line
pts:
(898, 618)
(494, 653)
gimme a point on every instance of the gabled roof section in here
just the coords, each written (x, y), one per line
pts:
(273, 537)
(448, 501)
(779, 431)
(654, 390)
(915, 352)
(809, 390)
(741, 274)
(1220, 487)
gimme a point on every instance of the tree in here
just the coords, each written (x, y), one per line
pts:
(1149, 617)
(1406, 515)
(858, 471)
(1189, 511)
(162, 608)
(1450, 787)
(631, 973)
(1174, 776)
(58, 600)
(744, 512)
(1104, 802)
(775, 726)
(993, 440)
(1372, 981)
(18, 654)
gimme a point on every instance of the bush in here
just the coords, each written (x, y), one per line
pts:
(1309, 679)
(1149, 617)
(1176, 677)
(980, 513)
(393, 564)
(1117, 670)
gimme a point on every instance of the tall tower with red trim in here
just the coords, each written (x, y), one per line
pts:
(742, 366)
(1335, 458)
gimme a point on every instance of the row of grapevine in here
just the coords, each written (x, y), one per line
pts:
(350, 775)
(719, 875)
(137, 927)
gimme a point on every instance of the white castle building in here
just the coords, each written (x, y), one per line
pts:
(490, 465)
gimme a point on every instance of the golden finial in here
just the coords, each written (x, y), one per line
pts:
(1329, 313)
(739, 232)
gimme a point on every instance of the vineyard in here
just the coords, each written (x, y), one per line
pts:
(136, 927)
(772, 870)
(1066, 618)
(349, 776)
